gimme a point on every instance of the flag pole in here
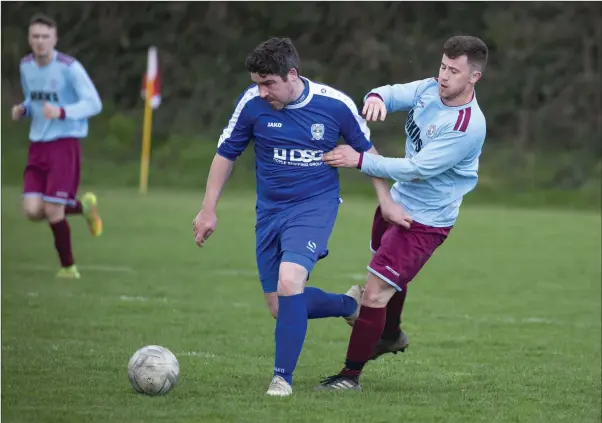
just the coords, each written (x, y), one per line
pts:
(151, 74)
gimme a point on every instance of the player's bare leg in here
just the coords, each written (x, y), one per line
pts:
(55, 213)
(33, 207)
(364, 337)
(271, 299)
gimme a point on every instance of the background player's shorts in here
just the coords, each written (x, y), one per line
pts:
(298, 234)
(53, 170)
(400, 253)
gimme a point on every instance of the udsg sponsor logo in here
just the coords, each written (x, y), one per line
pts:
(298, 157)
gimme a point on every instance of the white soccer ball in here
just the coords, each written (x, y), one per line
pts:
(153, 370)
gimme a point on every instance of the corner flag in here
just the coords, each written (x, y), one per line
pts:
(152, 99)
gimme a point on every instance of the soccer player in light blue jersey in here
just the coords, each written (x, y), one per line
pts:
(59, 100)
(445, 132)
(292, 121)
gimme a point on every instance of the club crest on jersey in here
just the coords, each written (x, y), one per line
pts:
(430, 131)
(317, 131)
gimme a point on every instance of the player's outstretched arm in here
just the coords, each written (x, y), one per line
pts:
(391, 98)
(89, 103)
(356, 133)
(436, 157)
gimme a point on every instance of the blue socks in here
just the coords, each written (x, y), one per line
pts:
(291, 324)
(322, 304)
(291, 327)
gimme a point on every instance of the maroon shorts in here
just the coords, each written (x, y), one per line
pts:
(52, 170)
(400, 253)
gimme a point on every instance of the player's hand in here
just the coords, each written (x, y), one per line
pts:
(51, 112)
(394, 213)
(374, 108)
(18, 111)
(342, 156)
(203, 226)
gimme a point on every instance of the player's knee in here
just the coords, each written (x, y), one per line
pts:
(377, 293)
(33, 210)
(34, 214)
(291, 279)
(54, 212)
(289, 285)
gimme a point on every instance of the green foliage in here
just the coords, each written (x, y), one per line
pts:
(541, 92)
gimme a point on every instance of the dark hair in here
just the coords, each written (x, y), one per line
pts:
(42, 19)
(275, 56)
(472, 47)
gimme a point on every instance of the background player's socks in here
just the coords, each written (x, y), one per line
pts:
(393, 321)
(322, 304)
(76, 209)
(62, 242)
(364, 337)
(291, 327)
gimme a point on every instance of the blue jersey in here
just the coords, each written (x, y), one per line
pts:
(289, 143)
(442, 152)
(65, 83)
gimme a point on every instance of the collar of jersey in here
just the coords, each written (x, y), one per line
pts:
(54, 56)
(463, 106)
(307, 93)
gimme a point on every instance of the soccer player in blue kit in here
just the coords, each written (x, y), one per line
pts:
(60, 97)
(445, 132)
(292, 121)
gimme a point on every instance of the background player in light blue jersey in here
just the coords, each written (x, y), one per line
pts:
(59, 99)
(445, 132)
(292, 121)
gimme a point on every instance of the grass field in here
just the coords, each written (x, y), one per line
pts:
(504, 322)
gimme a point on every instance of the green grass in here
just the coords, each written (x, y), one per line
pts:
(504, 321)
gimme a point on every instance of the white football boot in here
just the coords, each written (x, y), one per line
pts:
(279, 387)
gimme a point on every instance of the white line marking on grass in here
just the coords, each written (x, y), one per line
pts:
(525, 321)
(128, 298)
(141, 299)
(196, 354)
(92, 267)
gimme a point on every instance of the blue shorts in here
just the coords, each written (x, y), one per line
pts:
(299, 235)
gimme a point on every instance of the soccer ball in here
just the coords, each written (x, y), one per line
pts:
(153, 370)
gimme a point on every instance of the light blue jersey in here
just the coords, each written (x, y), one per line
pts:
(65, 83)
(443, 146)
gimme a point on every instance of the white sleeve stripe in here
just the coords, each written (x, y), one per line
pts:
(332, 93)
(248, 96)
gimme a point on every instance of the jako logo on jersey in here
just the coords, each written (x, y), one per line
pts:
(298, 157)
(311, 246)
(413, 131)
(274, 125)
